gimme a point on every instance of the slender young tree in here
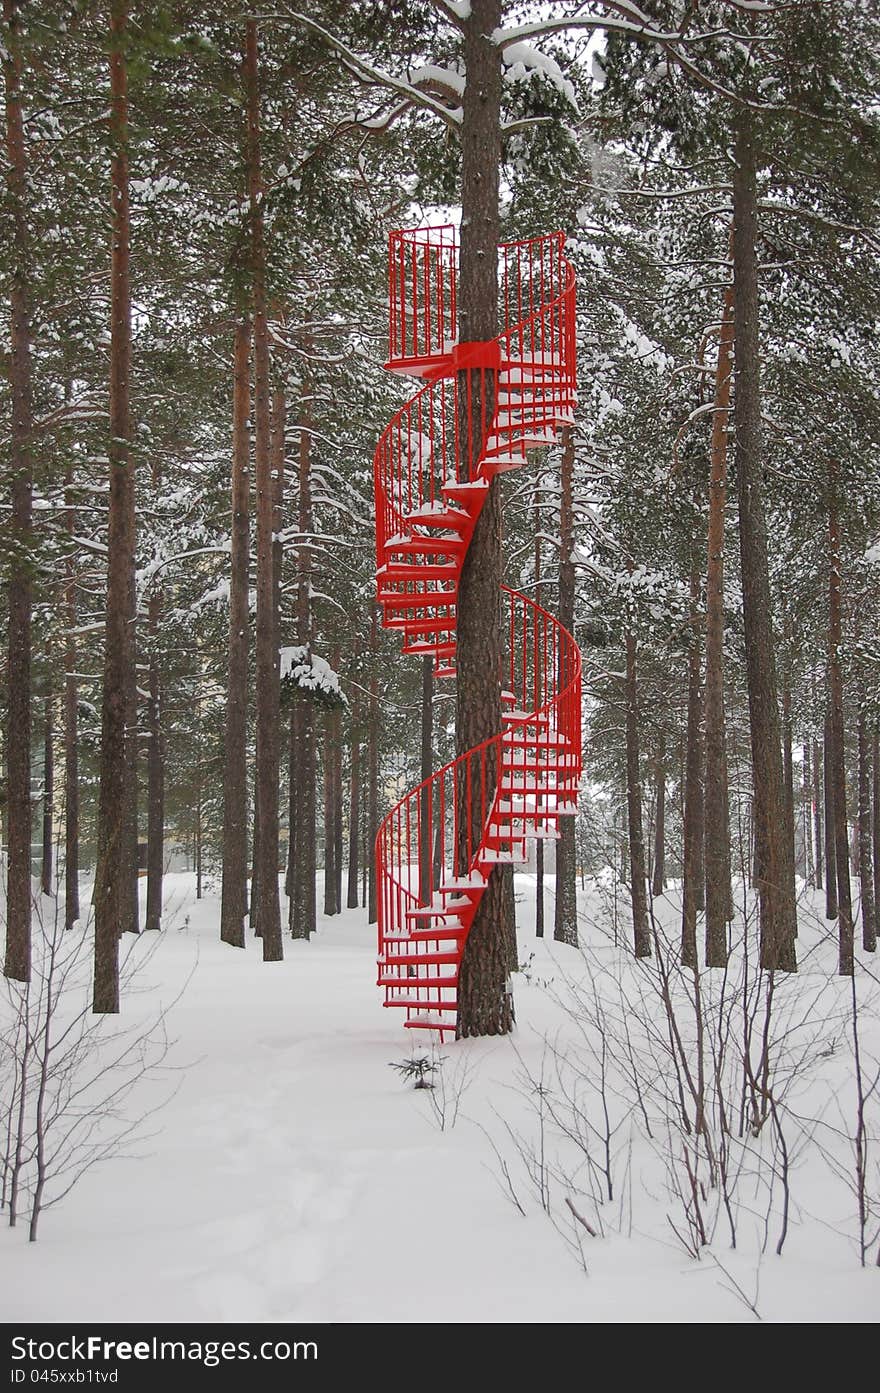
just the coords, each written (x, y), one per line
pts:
(18, 742)
(111, 889)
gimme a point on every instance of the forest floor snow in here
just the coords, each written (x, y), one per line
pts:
(289, 1174)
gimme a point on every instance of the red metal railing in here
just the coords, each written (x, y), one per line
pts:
(542, 694)
(432, 468)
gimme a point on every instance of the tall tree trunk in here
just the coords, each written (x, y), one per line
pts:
(303, 908)
(233, 893)
(717, 804)
(373, 772)
(337, 796)
(330, 906)
(485, 1005)
(539, 843)
(806, 815)
(278, 442)
(155, 771)
(818, 848)
(866, 869)
(71, 713)
(48, 796)
(838, 747)
(692, 871)
(426, 886)
(354, 788)
(254, 903)
(565, 916)
(776, 889)
(129, 908)
(638, 892)
(20, 532)
(659, 876)
(111, 891)
(788, 762)
(875, 823)
(267, 669)
(830, 837)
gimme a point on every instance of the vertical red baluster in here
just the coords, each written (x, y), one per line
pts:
(426, 275)
(414, 307)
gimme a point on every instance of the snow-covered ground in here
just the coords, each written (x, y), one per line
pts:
(295, 1176)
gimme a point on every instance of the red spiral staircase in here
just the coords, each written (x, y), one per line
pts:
(432, 470)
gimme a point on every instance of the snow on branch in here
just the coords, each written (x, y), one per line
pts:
(522, 60)
(302, 671)
(368, 73)
(455, 10)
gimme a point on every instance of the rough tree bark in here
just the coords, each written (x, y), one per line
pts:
(233, 894)
(111, 897)
(20, 528)
(539, 844)
(866, 869)
(329, 781)
(426, 886)
(658, 880)
(818, 843)
(267, 667)
(775, 865)
(806, 813)
(830, 838)
(485, 1005)
(338, 838)
(71, 713)
(155, 769)
(373, 772)
(875, 823)
(129, 908)
(788, 761)
(716, 815)
(565, 918)
(48, 795)
(693, 784)
(838, 748)
(354, 789)
(638, 890)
